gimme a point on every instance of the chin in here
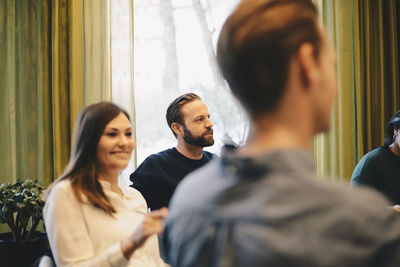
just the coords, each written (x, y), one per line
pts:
(120, 166)
(324, 129)
(209, 143)
(321, 128)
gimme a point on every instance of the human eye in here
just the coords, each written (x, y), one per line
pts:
(111, 134)
(129, 134)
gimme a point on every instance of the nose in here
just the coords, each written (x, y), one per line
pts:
(209, 123)
(126, 141)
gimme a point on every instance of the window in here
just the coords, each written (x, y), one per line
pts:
(174, 53)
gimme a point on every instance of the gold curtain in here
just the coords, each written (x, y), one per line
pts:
(26, 107)
(56, 58)
(364, 34)
(377, 79)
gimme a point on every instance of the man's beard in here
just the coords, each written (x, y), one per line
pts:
(203, 140)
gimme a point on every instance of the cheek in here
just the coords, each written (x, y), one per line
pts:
(132, 144)
(102, 150)
(101, 154)
(331, 87)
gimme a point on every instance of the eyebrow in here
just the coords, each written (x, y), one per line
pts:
(198, 117)
(116, 129)
(202, 116)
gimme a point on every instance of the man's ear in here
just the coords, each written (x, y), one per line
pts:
(308, 64)
(177, 128)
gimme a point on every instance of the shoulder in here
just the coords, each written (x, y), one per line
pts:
(196, 186)
(372, 158)
(131, 192)
(369, 163)
(374, 155)
(151, 161)
(353, 206)
(367, 212)
(209, 155)
(60, 199)
(61, 189)
(159, 156)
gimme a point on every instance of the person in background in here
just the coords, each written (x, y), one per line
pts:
(380, 168)
(159, 174)
(263, 204)
(90, 219)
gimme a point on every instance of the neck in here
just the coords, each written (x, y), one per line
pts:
(188, 150)
(270, 134)
(395, 149)
(110, 176)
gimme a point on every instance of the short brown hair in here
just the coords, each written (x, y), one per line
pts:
(256, 44)
(174, 113)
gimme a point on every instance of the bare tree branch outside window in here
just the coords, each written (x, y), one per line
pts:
(174, 54)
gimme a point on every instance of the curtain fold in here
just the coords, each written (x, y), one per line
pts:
(97, 50)
(24, 78)
(364, 34)
(56, 60)
(122, 61)
(377, 71)
(61, 115)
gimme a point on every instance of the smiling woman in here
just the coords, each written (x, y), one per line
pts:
(90, 219)
(115, 147)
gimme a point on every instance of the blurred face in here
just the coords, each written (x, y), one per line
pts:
(115, 145)
(396, 143)
(197, 127)
(326, 85)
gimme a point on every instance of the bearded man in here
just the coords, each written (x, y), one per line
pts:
(159, 174)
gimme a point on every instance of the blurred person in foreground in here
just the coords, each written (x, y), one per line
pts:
(262, 204)
(90, 219)
(380, 168)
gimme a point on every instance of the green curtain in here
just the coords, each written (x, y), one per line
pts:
(378, 91)
(55, 60)
(25, 72)
(97, 47)
(364, 34)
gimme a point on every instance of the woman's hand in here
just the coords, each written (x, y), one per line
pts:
(153, 223)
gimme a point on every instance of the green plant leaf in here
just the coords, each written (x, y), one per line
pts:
(21, 206)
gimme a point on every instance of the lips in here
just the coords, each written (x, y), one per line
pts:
(120, 153)
(113, 152)
(208, 133)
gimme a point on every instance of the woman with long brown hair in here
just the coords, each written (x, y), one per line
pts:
(90, 219)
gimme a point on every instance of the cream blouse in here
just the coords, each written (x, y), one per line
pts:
(83, 235)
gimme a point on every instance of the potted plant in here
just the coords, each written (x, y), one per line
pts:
(21, 209)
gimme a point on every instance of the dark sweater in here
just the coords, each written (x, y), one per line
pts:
(379, 169)
(159, 174)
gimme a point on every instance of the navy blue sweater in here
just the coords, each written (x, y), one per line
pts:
(159, 174)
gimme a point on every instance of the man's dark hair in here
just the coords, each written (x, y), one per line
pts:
(393, 124)
(174, 113)
(256, 44)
